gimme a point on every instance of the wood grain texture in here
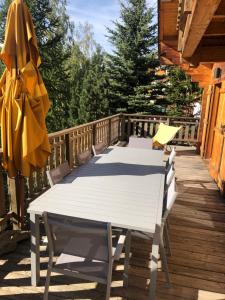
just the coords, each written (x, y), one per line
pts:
(197, 264)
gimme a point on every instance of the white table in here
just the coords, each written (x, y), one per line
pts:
(123, 186)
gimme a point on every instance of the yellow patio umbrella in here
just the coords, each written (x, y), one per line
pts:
(24, 100)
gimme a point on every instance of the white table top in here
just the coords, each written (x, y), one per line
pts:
(123, 186)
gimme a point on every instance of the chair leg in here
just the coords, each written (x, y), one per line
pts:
(164, 261)
(108, 290)
(127, 258)
(48, 277)
(109, 281)
(167, 239)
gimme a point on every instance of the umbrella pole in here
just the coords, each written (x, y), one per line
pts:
(20, 195)
(16, 190)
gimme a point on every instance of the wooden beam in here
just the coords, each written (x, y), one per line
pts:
(196, 25)
(188, 7)
(215, 29)
(170, 53)
(221, 9)
(197, 78)
(208, 54)
(203, 84)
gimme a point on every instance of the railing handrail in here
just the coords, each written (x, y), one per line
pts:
(160, 116)
(69, 130)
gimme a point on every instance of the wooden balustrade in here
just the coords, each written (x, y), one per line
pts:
(147, 126)
(68, 143)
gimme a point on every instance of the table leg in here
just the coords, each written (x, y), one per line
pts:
(35, 249)
(154, 264)
(127, 259)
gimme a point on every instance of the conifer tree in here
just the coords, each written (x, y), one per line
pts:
(93, 99)
(181, 92)
(53, 30)
(88, 79)
(134, 39)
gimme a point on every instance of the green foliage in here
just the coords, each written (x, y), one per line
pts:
(134, 40)
(53, 29)
(85, 84)
(181, 92)
(94, 94)
(88, 79)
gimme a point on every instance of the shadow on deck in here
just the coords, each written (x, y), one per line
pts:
(197, 264)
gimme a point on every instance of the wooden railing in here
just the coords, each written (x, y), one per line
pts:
(67, 144)
(147, 126)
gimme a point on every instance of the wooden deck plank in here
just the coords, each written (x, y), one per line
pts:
(197, 264)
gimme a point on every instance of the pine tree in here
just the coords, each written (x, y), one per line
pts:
(78, 65)
(94, 94)
(181, 93)
(53, 30)
(88, 78)
(134, 39)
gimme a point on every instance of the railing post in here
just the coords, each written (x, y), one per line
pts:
(2, 196)
(109, 133)
(168, 121)
(122, 126)
(128, 129)
(2, 200)
(68, 150)
(94, 134)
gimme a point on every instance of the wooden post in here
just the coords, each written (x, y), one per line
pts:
(68, 150)
(2, 201)
(168, 121)
(109, 133)
(2, 196)
(94, 134)
(128, 129)
(16, 192)
(122, 131)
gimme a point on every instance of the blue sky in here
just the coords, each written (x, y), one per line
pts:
(98, 13)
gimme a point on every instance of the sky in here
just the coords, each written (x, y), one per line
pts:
(98, 13)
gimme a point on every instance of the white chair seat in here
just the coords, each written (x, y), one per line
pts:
(82, 265)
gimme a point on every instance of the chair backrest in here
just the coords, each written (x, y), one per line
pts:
(98, 148)
(78, 237)
(165, 134)
(170, 197)
(170, 175)
(57, 174)
(141, 143)
(84, 157)
(172, 156)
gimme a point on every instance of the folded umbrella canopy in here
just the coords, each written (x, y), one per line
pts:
(24, 100)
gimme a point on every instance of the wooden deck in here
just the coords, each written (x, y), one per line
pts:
(197, 266)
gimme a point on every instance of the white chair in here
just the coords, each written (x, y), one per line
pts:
(170, 160)
(170, 175)
(56, 175)
(141, 143)
(169, 199)
(98, 148)
(83, 249)
(172, 156)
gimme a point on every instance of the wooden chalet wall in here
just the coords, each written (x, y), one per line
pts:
(192, 36)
